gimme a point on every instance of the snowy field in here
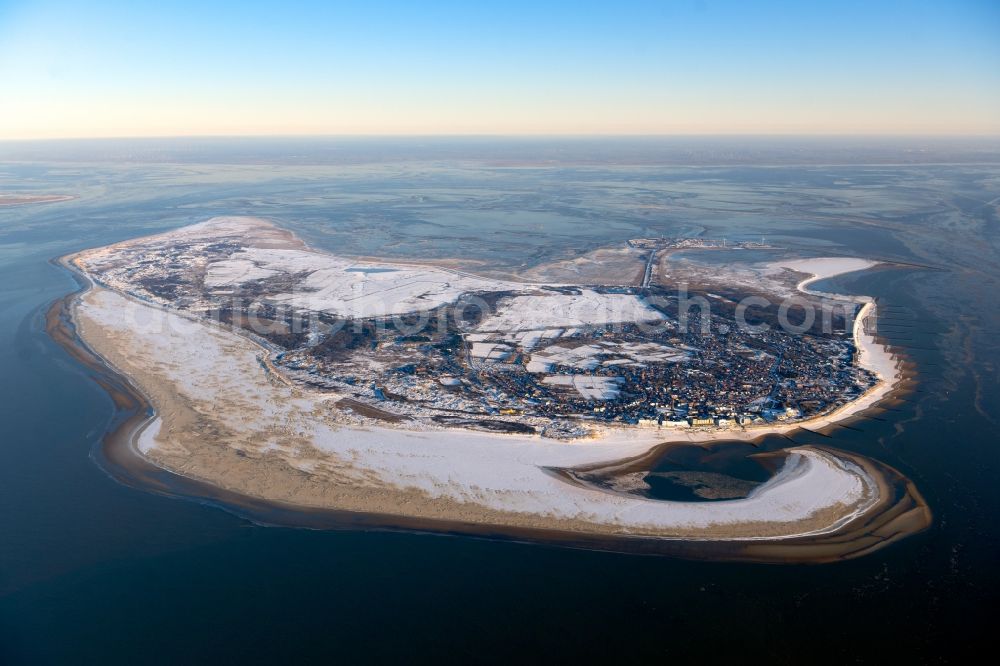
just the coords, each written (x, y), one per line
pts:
(490, 351)
(235, 272)
(587, 357)
(590, 388)
(347, 288)
(552, 310)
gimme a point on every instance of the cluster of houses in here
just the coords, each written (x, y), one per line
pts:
(732, 379)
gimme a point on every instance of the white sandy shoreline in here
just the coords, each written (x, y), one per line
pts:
(500, 472)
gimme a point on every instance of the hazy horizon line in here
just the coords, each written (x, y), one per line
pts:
(511, 135)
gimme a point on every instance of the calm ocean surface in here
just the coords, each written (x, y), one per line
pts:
(95, 572)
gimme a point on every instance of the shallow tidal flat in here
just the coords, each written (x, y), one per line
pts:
(28, 199)
(228, 428)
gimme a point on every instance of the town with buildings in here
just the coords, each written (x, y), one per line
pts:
(559, 380)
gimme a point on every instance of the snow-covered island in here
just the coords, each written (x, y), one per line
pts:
(290, 375)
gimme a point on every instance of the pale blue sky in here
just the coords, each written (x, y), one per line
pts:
(180, 68)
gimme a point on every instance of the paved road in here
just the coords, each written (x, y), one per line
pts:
(648, 275)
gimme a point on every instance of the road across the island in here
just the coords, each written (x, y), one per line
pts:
(648, 273)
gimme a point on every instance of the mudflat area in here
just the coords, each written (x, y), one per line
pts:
(27, 199)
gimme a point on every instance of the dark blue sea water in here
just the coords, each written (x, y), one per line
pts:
(94, 572)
